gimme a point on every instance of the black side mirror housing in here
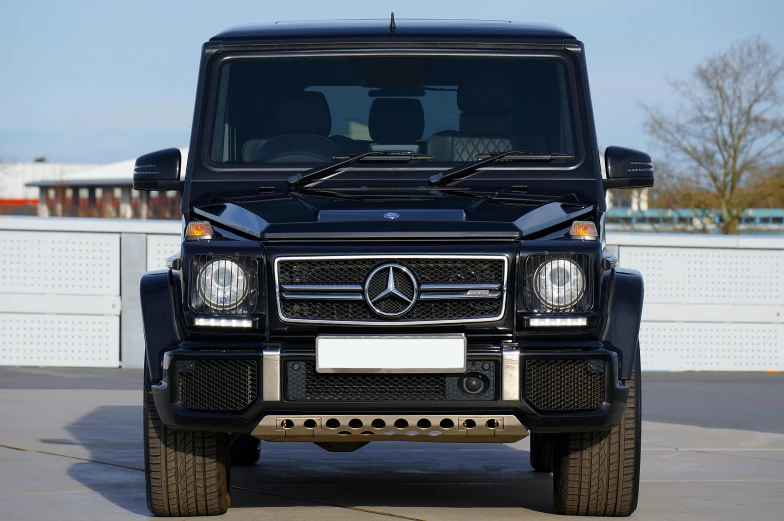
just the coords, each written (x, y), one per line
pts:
(627, 168)
(159, 171)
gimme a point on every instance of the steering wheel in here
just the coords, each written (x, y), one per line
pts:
(297, 148)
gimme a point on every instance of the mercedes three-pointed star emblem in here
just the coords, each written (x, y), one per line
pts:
(398, 290)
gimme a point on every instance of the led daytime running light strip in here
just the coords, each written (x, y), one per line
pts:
(558, 322)
(223, 322)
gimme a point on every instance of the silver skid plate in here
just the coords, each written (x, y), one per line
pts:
(384, 427)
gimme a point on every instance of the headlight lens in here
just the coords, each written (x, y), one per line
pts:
(559, 283)
(222, 284)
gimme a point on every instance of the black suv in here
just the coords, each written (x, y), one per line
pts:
(392, 230)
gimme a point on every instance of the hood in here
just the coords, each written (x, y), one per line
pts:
(286, 217)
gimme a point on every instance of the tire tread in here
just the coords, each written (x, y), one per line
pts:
(186, 471)
(598, 473)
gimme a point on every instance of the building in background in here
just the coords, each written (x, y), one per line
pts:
(18, 199)
(104, 191)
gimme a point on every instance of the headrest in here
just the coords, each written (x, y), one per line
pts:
(396, 120)
(487, 98)
(303, 113)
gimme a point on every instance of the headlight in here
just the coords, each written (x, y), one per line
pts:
(559, 284)
(222, 284)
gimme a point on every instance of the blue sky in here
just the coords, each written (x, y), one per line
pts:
(103, 81)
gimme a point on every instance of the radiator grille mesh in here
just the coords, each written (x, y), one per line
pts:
(565, 385)
(217, 385)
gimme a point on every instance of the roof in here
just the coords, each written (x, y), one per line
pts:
(404, 28)
(114, 174)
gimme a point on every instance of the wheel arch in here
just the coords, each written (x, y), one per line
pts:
(159, 317)
(624, 313)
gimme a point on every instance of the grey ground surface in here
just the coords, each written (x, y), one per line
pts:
(70, 448)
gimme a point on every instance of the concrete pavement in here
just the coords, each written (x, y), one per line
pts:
(713, 448)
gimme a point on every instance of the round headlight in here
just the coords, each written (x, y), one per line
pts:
(222, 284)
(559, 283)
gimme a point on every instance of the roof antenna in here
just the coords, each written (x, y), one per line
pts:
(392, 25)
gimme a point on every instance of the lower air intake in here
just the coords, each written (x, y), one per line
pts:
(565, 385)
(217, 385)
(303, 383)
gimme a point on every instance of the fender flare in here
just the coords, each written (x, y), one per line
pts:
(159, 317)
(624, 313)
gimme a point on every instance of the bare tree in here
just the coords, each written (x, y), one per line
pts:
(729, 126)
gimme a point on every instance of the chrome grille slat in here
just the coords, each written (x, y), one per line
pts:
(322, 296)
(321, 287)
(458, 296)
(452, 288)
(457, 287)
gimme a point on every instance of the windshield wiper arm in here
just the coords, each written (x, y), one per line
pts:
(512, 155)
(322, 172)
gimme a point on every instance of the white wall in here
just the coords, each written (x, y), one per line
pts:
(711, 302)
(69, 288)
(69, 294)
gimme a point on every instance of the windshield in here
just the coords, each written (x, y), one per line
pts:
(311, 110)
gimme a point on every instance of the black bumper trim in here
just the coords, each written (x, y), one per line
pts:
(604, 417)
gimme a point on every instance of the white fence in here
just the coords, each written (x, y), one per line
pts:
(711, 302)
(69, 288)
(69, 294)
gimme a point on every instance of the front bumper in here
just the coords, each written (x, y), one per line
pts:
(268, 394)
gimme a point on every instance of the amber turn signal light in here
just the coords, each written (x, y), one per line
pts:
(585, 230)
(198, 230)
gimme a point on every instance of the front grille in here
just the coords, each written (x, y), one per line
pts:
(565, 385)
(303, 383)
(443, 284)
(217, 385)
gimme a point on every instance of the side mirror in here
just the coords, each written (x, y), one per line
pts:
(627, 168)
(158, 171)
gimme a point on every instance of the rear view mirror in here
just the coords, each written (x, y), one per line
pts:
(627, 168)
(158, 171)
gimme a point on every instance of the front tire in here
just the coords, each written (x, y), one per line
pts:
(598, 473)
(541, 453)
(186, 472)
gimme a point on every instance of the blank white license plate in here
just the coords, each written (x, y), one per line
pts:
(391, 354)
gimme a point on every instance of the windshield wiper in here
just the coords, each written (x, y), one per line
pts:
(322, 172)
(512, 155)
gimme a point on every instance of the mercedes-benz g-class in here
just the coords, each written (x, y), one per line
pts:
(392, 230)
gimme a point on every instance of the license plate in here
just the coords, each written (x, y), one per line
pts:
(391, 354)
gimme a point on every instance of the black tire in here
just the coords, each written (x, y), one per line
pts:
(245, 450)
(598, 473)
(186, 472)
(541, 453)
